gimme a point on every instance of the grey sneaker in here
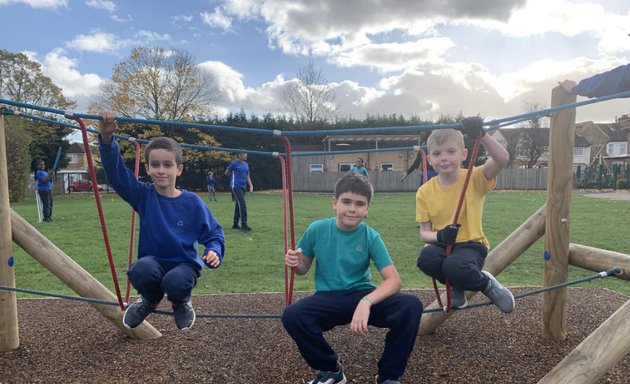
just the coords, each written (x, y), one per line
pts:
(500, 296)
(458, 298)
(326, 377)
(137, 312)
(184, 315)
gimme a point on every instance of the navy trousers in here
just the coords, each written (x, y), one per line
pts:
(462, 267)
(152, 279)
(47, 203)
(308, 318)
(240, 208)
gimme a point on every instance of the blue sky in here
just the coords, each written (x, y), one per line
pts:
(409, 57)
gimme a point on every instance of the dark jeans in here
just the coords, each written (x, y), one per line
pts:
(47, 203)
(462, 267)
(308, 318)
(152, 279)
(240, 207)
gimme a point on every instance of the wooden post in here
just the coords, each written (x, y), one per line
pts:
(559, 188)
(9, 335)
(498, 259)
(596, 354)
(598, 260)
(71, 273)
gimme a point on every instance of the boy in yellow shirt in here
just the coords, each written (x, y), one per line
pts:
(436, 202)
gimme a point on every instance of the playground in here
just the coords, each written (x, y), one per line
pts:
(581, 337)
(65, 342)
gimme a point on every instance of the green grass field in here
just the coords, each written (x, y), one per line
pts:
(254, 261)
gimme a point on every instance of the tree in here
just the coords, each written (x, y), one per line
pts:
(308, 97)
(17, 143)
(534, 140)
(23, 81)
(161, 84)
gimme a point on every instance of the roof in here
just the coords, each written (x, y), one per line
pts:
(76, 148)
(615, 131)
(542, 135)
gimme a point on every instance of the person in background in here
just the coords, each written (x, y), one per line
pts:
(359, 167)
(211, 181)
(416, 163)
(436, 203)
(607, 83)
(172, 224)
(44, 190)
(238, 171)
(343, 247)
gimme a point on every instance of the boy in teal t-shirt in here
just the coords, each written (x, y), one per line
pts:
(344, 246)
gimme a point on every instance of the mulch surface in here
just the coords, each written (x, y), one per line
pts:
(64, 341)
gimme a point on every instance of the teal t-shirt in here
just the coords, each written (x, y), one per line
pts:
(342, 258)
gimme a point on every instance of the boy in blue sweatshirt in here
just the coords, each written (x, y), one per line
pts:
(603, 84)
(172, 223)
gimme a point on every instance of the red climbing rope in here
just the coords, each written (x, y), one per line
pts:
(132, 230)
(289, 193)
(97, 195)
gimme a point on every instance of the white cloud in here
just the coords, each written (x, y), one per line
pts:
(229, 81)
(216, 19)
(38, 4)
(181, 21)
(95, 42)
(106, 5)
(75, 85)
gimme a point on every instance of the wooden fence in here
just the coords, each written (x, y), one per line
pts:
(511, 178)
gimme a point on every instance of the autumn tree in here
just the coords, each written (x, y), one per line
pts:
(22, 80)
(161, 84)
(308, 97)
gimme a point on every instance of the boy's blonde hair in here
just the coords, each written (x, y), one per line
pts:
(441, 136)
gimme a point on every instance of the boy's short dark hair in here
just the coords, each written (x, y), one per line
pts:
(355, 183)
(167, 144)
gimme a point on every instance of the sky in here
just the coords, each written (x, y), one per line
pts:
(424, 58)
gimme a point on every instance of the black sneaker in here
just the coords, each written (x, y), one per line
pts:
(235, 226)
(184, 315)
(246, 228)
(326, 377)
(137, 312)
(377, 380)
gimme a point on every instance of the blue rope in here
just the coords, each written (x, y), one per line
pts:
(600, 275)
(494, 124)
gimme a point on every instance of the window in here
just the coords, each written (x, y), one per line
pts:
(316, 168)
(578, 151)
(387, 167)
(617, 148)
(344, 167)
(73, 158)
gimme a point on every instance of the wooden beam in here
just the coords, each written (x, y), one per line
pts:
(598, 260)
(498, 259)
(597, 354)
(557, 228)
(9, 334)
(75, 277)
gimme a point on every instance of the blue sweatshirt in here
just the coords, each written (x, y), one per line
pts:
(170, 227)
(603, 84)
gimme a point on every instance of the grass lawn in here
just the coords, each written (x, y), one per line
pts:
(254, 261)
